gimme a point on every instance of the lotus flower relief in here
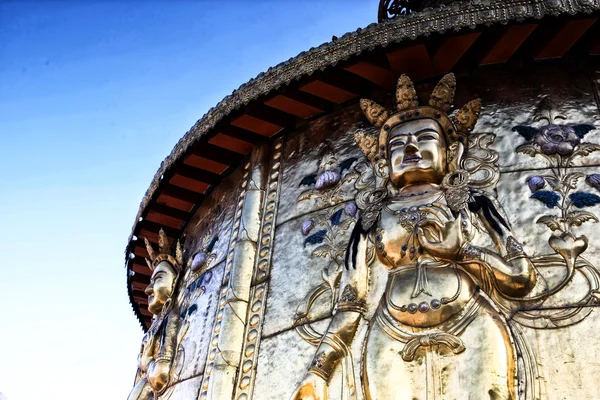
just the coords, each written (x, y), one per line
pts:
(351, 209)
(535, 183)
(593, 180)
(307, 226)
(557, 139)
(327, 179)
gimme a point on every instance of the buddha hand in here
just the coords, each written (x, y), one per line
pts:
(312, 387)
(445, 234)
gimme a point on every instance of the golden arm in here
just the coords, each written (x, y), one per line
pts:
(512, 270)
(348, 311)
(159, 369)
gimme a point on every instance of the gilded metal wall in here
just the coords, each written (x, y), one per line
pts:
(249, 327)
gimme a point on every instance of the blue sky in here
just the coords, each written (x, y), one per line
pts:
(93, 95)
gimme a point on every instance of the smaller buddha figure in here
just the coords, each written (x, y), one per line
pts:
(160, 342)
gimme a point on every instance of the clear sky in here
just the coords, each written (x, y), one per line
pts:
(93, 95)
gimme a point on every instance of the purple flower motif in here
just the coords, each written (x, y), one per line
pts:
(327, 179)
(351, 209)
(556, 139)
(307, 227)
(593, 180)
(535, 183)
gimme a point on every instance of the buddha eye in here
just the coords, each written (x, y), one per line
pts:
(426, 137)
(397, 143)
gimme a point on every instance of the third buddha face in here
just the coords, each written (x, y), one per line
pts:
(416, 153)
(161, 286)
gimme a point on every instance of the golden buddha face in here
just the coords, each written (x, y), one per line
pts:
(416, 152)
(161, 286)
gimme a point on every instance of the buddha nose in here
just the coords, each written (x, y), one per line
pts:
(412, 146)
(148, 290)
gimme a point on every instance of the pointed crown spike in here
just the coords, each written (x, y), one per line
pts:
(163, 242)
(149, 264)
(466, 118)
(164, 253)
(406, 95)
(442, 96)
(149, 249)
(375, 113)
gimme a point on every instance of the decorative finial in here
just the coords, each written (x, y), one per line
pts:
(164, 252)
(466, 118)
(375, 113)
(406, 95)
(442, 96)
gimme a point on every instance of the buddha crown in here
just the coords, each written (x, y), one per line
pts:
(164, 253)
(456, 127)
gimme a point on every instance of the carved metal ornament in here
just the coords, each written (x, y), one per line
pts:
(326, 186)
(444, 215)
(455, 16)
(390, 9)
(559, 144)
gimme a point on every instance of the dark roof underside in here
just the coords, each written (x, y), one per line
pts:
(336, 74)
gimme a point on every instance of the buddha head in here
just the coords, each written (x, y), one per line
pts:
(161, 287)
(165, 272)
(418, 144)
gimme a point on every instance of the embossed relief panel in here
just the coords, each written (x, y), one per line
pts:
(550, 201)
(322, 152)
(212, 224)
(304, 259)
(198, 306)
(511, 98)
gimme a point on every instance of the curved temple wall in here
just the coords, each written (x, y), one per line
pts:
(241, 335)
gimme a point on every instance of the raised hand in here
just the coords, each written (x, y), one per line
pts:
(450, 232)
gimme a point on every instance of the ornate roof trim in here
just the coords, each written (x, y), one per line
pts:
(456, 16)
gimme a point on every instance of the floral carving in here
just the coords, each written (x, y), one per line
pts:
(559, 144)
(326, 186)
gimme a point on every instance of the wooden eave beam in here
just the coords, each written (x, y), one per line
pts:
(218, 154)
(294, 93)
(154, 227)
(177, 192)
(506, 45)
(168, 211)
(141, 269)
(144, 311)
(225, 128)
(197, 174)
(451, 50)
(270, 114)
(593, 40)
(137, 284)
(562, 37)
(347, 81)
(373, 66)
(141, 260)
(412, 60)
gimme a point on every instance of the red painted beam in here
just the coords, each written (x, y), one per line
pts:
(563, 39)
(507, 44)
(451, 50)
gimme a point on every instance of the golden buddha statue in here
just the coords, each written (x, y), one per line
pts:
(447, 247)
(160, 342)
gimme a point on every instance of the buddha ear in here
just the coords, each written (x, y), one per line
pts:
(454, 155)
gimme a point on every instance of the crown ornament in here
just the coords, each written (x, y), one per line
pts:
(456, 127)
(164, 252)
